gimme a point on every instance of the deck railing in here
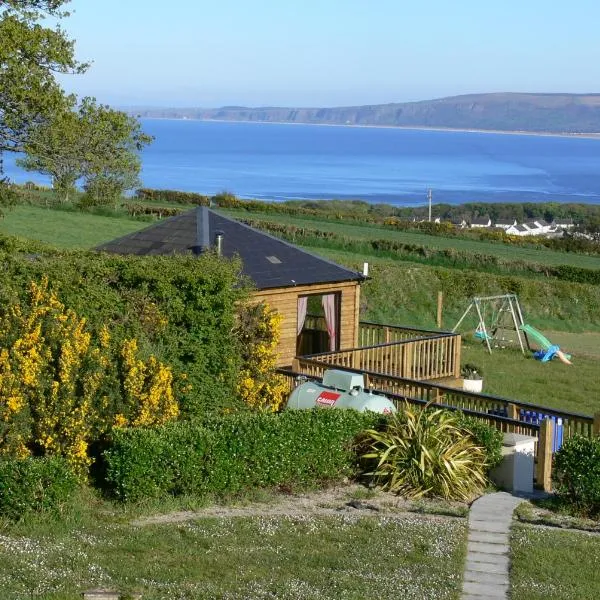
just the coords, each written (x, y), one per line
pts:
(484, 404)
(435, 357)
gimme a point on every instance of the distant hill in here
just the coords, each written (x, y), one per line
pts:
(549, 113)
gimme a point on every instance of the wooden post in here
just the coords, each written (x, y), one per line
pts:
(596, 426)
(439, 309)
(296, 365)
(544, 456)
(512, 411)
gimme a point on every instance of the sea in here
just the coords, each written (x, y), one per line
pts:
(270, 161)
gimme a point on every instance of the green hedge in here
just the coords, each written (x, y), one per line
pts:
(236, 452)
(34, 484)
(180, 308)
(172, 196)
(577, 474)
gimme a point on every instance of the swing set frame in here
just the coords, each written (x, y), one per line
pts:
(502, 303)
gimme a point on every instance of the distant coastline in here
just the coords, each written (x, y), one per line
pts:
(587, 135)
(573, 115)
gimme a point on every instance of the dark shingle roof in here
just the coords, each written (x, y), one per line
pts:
(268, 261)
(480, 221)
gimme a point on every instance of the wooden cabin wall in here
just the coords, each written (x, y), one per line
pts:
(285, 301)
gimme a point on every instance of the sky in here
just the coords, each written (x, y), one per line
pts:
(329, 52)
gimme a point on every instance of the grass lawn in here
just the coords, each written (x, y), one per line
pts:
(371, 232)
(65, 229)
(510, 374)
(299, 556)
(554, 565)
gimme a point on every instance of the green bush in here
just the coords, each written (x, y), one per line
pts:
(34, 484)
(577, 474)
(172, 196)
(236, 452)
(486, 436)
(425, 452)
(180, 308)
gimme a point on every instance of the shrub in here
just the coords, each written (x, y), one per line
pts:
(577, 474)
(59, 386)
(231, 453)
(485, 436)
(34, 484)
(425, 452)
(258, 384)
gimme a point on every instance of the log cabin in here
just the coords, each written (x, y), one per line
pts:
(292, 281)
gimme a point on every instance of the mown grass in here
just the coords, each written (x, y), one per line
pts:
(65, 229)
(371, 232)
(510, 374)
(554, 565)
(290, 557)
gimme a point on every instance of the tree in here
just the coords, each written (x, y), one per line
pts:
(30, 56)
(91, 141)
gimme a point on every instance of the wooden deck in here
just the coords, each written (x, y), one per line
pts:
(423, 367)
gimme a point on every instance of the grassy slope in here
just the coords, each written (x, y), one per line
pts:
(65, 229)
(554, 565)
(372, 232)
(299, 557)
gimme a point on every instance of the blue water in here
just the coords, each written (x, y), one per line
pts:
(276, 162)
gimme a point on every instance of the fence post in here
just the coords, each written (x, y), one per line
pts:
(296, 365)
(596, 427)
(439, 309)
(512, 411)
(544, 455)
(386, 330)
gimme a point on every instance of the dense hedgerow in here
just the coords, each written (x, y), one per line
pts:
(577, 474)
(180, 309)
(232, 453)
(172, 196)
(34, 484)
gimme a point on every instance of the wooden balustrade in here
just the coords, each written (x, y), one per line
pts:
(425, 359)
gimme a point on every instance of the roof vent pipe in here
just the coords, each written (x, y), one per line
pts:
(219, 243)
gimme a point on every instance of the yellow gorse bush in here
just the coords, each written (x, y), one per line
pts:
(258, 384)
(56, 382)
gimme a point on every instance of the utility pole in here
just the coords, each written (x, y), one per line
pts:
(429, 198)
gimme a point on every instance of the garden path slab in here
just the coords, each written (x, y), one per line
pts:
(486, 569)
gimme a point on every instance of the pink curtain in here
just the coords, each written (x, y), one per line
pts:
(302, 307)
(328, 302)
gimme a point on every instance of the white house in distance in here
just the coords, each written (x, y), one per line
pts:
(481, 222)
(505, 223)
(544, 225)
(519, 230)
(563, 223)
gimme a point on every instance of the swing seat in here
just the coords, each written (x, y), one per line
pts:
(481, 335)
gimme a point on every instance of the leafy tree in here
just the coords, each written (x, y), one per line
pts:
(90, 141)
(30, 56)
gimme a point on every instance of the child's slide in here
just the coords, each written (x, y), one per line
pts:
(546, 344)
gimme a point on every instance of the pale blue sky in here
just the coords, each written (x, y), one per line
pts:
(330, 52)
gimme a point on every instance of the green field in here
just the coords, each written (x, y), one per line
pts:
(554, 565)
(372, 232)
(65, 229)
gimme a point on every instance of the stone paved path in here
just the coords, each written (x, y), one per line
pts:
(486, 571)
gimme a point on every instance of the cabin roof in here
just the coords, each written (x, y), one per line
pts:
(267, 260)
